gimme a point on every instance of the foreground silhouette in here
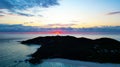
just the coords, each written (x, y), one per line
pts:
(102, 50)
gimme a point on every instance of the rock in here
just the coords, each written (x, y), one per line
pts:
(103, 50)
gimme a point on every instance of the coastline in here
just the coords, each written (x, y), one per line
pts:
(102, 50)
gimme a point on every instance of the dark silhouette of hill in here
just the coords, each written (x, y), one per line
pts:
(102, 50)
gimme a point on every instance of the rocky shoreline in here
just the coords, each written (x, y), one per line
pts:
(102, 50)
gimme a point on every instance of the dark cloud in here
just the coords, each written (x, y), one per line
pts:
(1, 12)
(6, 12)
(14, 5)
(23, 4)
(112, 13)
(24, 14)
(28, 15)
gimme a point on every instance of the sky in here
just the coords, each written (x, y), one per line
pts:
(60, 13)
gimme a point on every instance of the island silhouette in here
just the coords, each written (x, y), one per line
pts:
(102, 50)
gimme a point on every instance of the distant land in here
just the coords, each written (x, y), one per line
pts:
(101, 50)
(20, 28)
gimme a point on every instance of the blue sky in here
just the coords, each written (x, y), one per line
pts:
(78, 13)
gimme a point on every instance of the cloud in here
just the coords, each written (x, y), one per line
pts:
(28, 22)
(1, 11)
(58, 25)
(1, 15)
(75, 21)
(24, 14)
(18, 6)
(113, 13)
(23, 4)
(7, 12)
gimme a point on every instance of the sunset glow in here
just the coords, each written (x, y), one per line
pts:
(57, 33)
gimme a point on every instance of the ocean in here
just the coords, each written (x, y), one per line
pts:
(13, 54)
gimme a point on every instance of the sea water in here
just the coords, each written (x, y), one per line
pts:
(13, 54)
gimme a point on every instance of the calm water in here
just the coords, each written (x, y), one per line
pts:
(11, 50)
